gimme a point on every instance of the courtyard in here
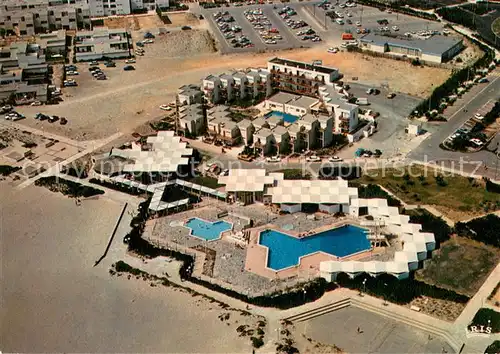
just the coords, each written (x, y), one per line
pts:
(356, 330)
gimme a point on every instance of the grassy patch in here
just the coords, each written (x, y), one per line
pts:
(419, 185)
(68, 188)
(296, 173)
(206, 181)
(460, 265)
(484, 315)
(495, 26)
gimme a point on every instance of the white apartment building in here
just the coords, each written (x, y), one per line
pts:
(189, 94)
(102, 8)
(149, 5)
(27, 17)
(346, 114)
(102, 43)
(227, 87)
(191, 119)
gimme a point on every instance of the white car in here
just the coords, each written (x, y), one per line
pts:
(335, 159)
(358, 23)
(395, 28)
(36, 103)
(333, 50)
(165, 107)
(148, 41)
(130, 61)
(224, 173)
(72, 73)
(313, 158)
(273, 159)
(478, 116)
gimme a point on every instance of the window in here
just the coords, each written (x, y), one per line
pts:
(113, 6)
(79, 10)
(37, 15)
(71, 20)
(23, 19)
(58, 19)
(64, 13)
(44, 22)
(29, 25)
(24, 7)
(51, 13)
(23, 32)
(31, 6)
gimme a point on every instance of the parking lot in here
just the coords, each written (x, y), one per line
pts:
(268, 14)
(367, 18)
(467, 132)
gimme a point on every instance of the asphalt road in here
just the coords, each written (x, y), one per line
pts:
(429, 150)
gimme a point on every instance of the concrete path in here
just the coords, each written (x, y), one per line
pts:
(94, 145)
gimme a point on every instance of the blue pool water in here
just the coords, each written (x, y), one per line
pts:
(289, 118)
(207, 230)
(284, 250)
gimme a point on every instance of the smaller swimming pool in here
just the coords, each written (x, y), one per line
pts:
(207, 230)
(289, 118)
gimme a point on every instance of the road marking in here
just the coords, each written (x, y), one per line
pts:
(472, 99)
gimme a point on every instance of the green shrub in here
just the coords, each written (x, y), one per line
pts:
(484, 315)
(6, 170)
(257, 342)
(493, 348)
(483, 229)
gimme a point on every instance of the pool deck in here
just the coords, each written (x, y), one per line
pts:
(308, 267)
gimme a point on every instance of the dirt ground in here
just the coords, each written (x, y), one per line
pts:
(181, 44)
(97, 109)
(149, 21)
(134, 22)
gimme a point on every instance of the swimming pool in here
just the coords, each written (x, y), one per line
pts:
(207, 230)
(289, 118)
(285, 251)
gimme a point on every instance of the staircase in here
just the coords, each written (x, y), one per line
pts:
(323, 310)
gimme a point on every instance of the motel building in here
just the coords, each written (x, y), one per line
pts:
(247, 186)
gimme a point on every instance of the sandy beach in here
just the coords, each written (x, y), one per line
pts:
(54, 300)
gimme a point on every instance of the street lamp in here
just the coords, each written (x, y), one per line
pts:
(364, 285)
(385, 296)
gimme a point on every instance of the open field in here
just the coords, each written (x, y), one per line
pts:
(133, 22)
(418, 185)
(54, 300)
(461, 265)
(132, 98)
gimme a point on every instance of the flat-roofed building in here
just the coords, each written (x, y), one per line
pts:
(246, 130)
(211, 88)
(102, 43)
(189, 94)
(52, 43)
(192, 120)
(299, 77)
(436, 49)
(264, 140)
(260, 81)
(282, 139)
(28, 17)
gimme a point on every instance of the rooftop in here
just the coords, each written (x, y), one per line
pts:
(311, 191)
(166, 155)
(304, 66)
(304, 102)
(437, 45)
(250, 180)
(244, 123)
(283, 97)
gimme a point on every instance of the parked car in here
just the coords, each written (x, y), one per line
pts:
(148, 41)
(93, 62)
(148, 35)
(273, 159)
(333, 50)
(130, 61)
(110, 64)
(335, 159)
(391, 95)
(224, 172)
(313, 158)
(63, 121)
(128, 68)
(36, 103)
(53, 119)
(165, 107)
(185, 28)
(69, 83)
(478, 116)
(6, 108)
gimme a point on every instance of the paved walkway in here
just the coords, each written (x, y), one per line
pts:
(94, 145)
